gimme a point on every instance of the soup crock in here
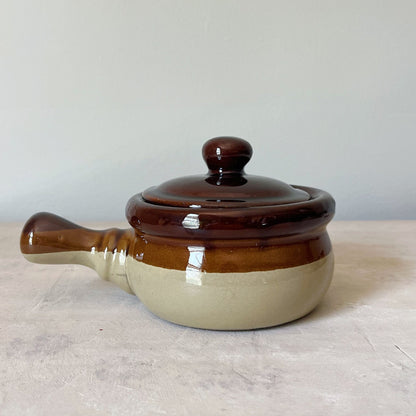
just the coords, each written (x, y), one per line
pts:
(225, 250)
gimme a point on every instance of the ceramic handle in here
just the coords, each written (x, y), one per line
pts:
(48, 238)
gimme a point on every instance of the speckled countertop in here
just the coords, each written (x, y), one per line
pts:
(72, 344)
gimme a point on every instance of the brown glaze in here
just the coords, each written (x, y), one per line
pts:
(216, 223)
(223, 191)
(226, 221)
(224, 155)
(49, 233)
(196, 240)
(225, 185)
(231, 256)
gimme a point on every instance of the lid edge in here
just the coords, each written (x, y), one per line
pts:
(229, 223)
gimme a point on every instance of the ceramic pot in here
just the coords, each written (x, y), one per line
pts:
(225, 250)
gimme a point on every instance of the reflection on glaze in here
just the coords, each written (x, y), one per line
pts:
(224, 186)
(121, 255)
(226, 180)
(49, 233)
(226, 154)
(191, 222)
(193, 269)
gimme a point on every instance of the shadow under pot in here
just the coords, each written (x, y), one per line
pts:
(225, 250)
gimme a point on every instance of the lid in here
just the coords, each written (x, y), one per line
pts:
(225, 185)
(226, 202)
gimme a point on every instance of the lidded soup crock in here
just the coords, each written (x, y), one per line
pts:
(224, 250)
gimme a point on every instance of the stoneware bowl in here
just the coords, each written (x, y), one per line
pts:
(225, 250)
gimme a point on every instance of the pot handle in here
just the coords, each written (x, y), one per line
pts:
(48, 238)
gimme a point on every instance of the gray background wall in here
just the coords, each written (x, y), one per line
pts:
(101, 99)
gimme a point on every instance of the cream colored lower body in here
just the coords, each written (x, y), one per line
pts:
(226, 301)
(230, 301)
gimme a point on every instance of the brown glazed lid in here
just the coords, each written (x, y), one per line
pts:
(227, 203)
(225, 185)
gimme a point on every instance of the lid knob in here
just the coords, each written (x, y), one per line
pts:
(226, 155)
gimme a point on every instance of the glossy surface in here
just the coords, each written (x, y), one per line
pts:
(224, 250)
(227, 285)
(224, 191)
(225, 185)
(224, 155)
(48, 238)
(233, 223)
(48, 233)
(231, 256)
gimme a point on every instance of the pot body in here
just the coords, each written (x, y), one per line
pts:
(213, 284)
(223, 250)
(231, 285)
